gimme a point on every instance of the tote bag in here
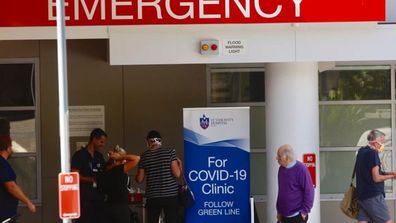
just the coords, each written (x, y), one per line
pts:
(186, 196)
(349, 205)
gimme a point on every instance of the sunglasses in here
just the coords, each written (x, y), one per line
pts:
(154, 140)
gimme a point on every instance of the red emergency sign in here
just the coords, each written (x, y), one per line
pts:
(309, 160)
(69, 195)
(150, 12)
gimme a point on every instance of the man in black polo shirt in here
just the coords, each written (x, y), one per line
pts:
(89, 163)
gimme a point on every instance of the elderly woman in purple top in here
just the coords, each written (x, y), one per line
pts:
(296, 192)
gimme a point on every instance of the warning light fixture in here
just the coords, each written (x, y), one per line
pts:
(205, 47)
(209, 47)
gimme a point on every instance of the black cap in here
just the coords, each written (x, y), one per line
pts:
(153, 134)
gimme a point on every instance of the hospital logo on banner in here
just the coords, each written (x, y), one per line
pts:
(204, 122)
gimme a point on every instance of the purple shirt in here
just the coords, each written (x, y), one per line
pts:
(296, 192)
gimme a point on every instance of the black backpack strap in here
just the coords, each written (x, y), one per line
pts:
(354, 172)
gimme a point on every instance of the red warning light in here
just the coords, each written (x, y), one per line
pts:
(209, 47)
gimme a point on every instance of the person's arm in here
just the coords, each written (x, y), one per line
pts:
(85, 179)
(309, 194)
(278, 215)
(390, 173)
(77, 165)
(131, 162)
(377, 177)
(140, 175)
(17, 192)
(176, 168)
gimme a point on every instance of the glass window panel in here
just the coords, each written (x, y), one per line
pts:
(17, 85)
(22, 130)
(25, 169)
(234, 86)
(348, 125)
(386, 163)
(257, 127)
(258, 174)
(336, 170)
(359, 84)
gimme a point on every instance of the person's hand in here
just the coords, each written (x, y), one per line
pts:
(115, 156)
(392, 174)
(303, 216)
(278, 218)
(31, 207)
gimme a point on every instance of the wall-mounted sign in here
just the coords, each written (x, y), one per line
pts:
(309, 160)
(69, 195)
(142, 12)
(234, 47)
(82, 119)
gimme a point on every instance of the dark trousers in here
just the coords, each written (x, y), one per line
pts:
(117, 213)
(295, 219)
(91, 212)
(170, 206)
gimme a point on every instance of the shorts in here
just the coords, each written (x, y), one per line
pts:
(374, 209)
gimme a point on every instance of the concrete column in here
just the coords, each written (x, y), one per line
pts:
(292, 117)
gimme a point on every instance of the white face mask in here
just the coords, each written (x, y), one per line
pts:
(153, 142)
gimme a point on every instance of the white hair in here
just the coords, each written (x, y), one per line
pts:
(287, 151)
(374, 134)
(119, 150)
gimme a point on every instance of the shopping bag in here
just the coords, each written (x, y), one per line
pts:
(349, 205)
(186, 196)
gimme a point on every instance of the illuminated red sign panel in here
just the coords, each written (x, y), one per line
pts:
(146, 12)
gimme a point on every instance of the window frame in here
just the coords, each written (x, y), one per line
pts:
(237, 67)
(339, 66)
(233, 68)
(36, 109)
(391, 102)
(258, 197)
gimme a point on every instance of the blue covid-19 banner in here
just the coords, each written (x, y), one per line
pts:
(217, 164)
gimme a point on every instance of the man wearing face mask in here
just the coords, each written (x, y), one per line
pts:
(160, 167)
(370, 181)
